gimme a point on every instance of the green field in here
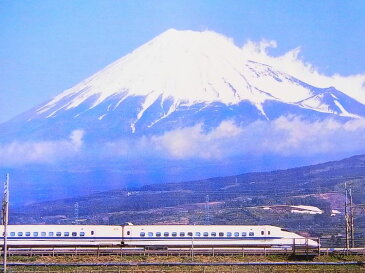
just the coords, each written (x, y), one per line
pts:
(203, 259)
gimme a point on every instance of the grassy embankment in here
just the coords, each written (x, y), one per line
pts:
(196, 269)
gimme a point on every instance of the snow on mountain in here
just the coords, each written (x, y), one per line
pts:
(181, 78)
(180, 65)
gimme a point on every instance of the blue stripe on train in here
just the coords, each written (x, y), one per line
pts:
(140, 238)
(199, 238)
(57, 238)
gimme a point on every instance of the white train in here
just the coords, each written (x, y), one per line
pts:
(153, 236)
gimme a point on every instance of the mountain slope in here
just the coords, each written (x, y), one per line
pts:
(184, 106)
(178, 79)
(250, 198)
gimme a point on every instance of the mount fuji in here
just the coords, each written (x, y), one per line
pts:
(178, 79)
(186, 105)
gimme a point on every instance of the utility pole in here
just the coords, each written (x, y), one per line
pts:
(76, 213)
(346, 219)
(349, 218)
(207, 220)
(352, 227)
(5, 211)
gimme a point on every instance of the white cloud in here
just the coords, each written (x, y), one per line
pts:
(76, 138)
(192, 142)
(287, 136)
(19, 153)
(291, 63)
(295, 136)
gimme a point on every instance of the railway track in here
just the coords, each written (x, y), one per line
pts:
(103, 251)
(172, 264)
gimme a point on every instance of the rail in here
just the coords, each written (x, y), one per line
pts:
(247, 267)
(175, 264)
(253, 269)
(293, 249)
(181, 252)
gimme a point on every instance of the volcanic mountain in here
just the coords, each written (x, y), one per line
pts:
(184, 106)
(176, 80)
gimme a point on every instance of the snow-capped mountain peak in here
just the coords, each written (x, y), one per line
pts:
(187, 66)
(181, 78)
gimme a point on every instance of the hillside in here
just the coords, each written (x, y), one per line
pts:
(251, 198)
(185, 105)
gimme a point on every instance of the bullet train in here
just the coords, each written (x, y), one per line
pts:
(153, 236)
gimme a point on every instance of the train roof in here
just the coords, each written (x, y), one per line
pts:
(187, 225)
(55, 225)
(139, 225)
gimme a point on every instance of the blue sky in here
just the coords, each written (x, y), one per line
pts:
(48, 46)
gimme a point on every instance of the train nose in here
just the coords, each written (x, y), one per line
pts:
(312, 243)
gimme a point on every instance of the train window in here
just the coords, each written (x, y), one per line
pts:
(92, 232)
(82, 233)
(20, 233)
(142, 234)
(229, 234)
(205, 234)
(74, 233)
(213, 234)
(12, 233)
(66, 234)
(197, 234)
(50, 234)
(268, 233)
(128, 232)
(221, 234)
(251, 234)
(58, 234)
(236, 234)
(190, 234)
(158, 234)
(174, 234)
(43, 233)
(150, 234)
(182, 234)
(262, 232)
(27, 234)
(166, 234)
(244, 234)
(35, 234)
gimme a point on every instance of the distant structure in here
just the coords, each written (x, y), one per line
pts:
(5, 219)
(207, 216)
(349, 218)
(76, 213)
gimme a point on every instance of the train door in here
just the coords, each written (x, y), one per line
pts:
(263, 232)
(122, 242)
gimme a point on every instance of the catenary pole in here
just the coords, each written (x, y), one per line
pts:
(5, 221)
(352, 226)
(347, 218)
